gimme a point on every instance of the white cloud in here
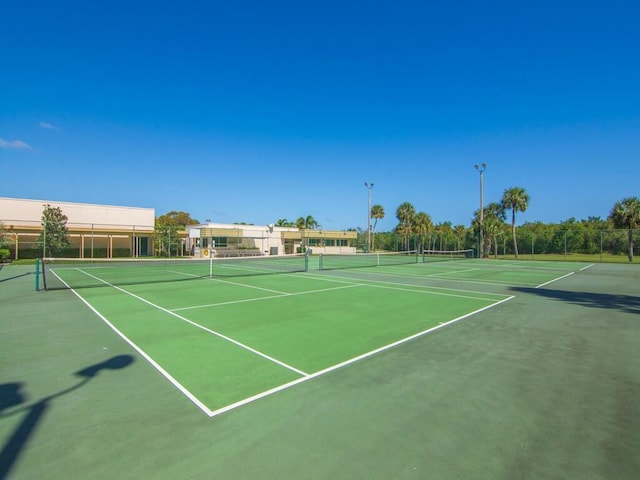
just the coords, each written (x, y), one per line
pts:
(48, 126)
(14, 145)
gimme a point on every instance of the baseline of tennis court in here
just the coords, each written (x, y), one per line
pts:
(224, 342)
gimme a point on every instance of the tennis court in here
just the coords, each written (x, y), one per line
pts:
(230, 338)
(454, 354)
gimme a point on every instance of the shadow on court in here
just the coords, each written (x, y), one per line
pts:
(12, 396)
(623, 303)
(15, 276)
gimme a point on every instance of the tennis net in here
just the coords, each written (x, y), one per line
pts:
(357, 260)
(443, 255)
(61, 273)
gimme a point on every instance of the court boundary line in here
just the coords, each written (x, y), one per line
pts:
(181, 388)
(587, 266)
(350, 361)
(202, 327)
(269, 297)
(555, 280)
(339, 279)
(304, 376)
(456, 293)
(434, 277)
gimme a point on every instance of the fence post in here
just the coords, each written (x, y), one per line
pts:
(532, 240)
(601, 232)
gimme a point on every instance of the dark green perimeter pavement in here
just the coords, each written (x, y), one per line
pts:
(545, 386)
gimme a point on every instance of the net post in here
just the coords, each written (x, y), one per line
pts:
(320, 262)
(37, 274)
(40, 270)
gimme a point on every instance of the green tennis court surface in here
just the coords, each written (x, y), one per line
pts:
(224, 342)
(447, 369)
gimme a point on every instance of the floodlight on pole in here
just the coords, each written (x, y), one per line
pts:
(481, 168)
(369, 187)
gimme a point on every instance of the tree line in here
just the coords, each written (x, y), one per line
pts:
(416, 230)
(489, 228)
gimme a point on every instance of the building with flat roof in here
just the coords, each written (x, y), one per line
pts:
(243, 240)
(95, 231)
(106, 231)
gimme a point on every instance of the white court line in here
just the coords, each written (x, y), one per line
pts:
(427, 292)
(133, 345)
(270, 297)
(438, 279)
(229, 282)
(202, 327)
(349, 362)
(555, 279)
(587, 266)
(304, 376)
(429, 287)
(453, 272)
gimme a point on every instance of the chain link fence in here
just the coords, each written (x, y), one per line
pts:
(598, 245)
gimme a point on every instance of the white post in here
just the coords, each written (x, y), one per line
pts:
(481, 169)
(369, 187)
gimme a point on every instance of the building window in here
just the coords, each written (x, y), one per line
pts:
(220, 241)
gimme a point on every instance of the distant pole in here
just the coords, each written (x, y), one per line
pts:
(481, 168)
(369, 187)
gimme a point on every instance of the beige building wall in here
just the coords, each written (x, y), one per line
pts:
(28, 212)
(100, 230)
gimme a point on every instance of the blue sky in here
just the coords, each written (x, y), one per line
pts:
(255, 111)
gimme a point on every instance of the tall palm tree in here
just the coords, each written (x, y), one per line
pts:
(422, 227)
(377, 213)
(404, 230)
(459, 232)
(515, 199)
(405, 214)
(626, 214)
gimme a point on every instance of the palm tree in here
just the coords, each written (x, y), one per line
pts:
(283, 222)
(377, 213)
(310, 222)
(493, 225)
(626, 214)
(405, 231)
(306, 222)
(445, 234)
(405, 214)
(422, 228)
(515, 199)
(459, 232)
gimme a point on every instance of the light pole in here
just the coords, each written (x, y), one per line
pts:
(369, 187)
(481, 168)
